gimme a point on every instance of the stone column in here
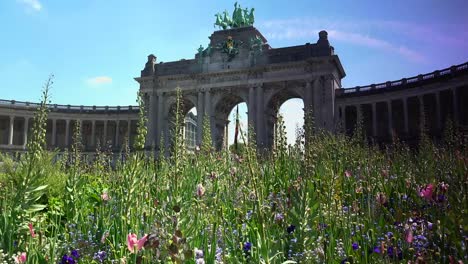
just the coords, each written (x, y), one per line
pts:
(260, 117)
(25, 131)
(422, 114)
(455, 105)
(308, 97)
(159, 117)
(405, 116)
(251, 108)
(200, 114)
(374, 119)
(208, 115)
(104, 137)
(359, 120)
(116, 137)
(10, 131)
(390, 117)
(438, 113)
(67, 132)
(54, 132)
(152, 108)
(129, 129)
(93, 133)
(343, 118)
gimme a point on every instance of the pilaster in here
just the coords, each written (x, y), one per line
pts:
(11, 130)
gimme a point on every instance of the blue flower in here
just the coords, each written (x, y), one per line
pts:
(291, 229)
(247, 247)
(355, 246)
(67, 260)
(377, 250)
(75, 254)
(100, 256)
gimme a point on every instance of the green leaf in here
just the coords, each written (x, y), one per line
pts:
(35, 208)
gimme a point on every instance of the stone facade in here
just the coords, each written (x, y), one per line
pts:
(240, 66)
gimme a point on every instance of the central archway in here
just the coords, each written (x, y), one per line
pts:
(223, 105)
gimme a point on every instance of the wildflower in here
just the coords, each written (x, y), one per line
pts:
(105, 197)
(213, 176)
(67, 260)
(377, 250)
(409, 236)
(427, 191)
(198, 253)
(359, 189)
(347, 174)
(104, 237)
(443, 187)
(100, 256)
(75, 254)
(247, 247)
(291, 229)
(381, 198)
(200, 190)
(385, 173)
(31, 230)
(21, 258)
(355, 246)
(279, 217)
(132, 241)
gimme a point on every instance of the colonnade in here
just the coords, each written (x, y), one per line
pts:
(18, 127)
(386, 117)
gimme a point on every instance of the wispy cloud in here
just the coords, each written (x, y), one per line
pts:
(33, 5)
(376, 43)
(99, 80)
(309, 28)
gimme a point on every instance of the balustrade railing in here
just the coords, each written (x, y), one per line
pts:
(74, 108)
(421, 77)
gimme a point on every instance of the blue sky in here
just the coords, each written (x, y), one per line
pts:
(95, 47)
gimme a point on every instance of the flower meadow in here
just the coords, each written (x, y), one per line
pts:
(326, 199)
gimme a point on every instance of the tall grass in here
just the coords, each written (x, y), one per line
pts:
(326, 199)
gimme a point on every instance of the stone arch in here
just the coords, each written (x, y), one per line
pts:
(273, 102)
(223, 103)
(188, 102)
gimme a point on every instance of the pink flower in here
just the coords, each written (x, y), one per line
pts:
(347, 173)
(21, 258)
(105, 196)
(200, 190)
(31, 230)
(133, 241)
(409, 236)
(427, 191)
(104, 237)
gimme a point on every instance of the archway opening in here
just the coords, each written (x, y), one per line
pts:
(224, 119)
(292, 112)
(237, 124)
(289, 103)
(187, 123)
(190, 129)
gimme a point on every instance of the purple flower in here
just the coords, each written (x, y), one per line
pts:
(75, 254)
(100, 256)
(355, 246)
(377, 250)
(247, 247)
(67, 260)
(291, 229)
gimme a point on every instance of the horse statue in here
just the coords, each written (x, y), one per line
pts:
(219, 22)
(226, 19)
(251, 16)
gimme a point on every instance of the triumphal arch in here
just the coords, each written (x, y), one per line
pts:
(239, 65)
